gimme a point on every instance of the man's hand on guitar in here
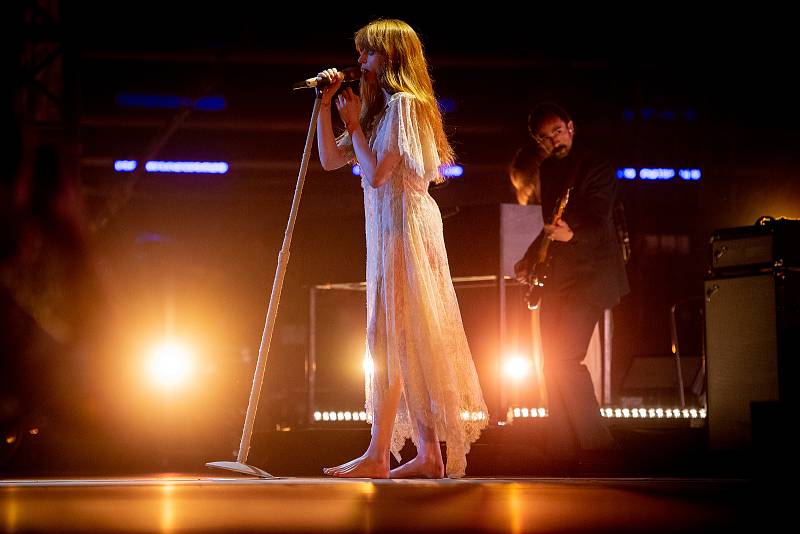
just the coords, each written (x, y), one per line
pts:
(560, 231)
(522, 270)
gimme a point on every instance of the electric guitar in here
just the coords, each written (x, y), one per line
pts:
(538, 275)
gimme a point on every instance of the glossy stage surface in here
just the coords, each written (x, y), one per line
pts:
(202, 503)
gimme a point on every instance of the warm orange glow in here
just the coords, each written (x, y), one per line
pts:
(368, 364)
(517, 367)
(170, 364)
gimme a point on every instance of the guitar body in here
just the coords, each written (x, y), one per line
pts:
(536, 283)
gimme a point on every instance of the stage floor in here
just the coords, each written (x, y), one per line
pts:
(197, 503)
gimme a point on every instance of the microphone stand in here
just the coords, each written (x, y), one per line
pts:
(240, 465)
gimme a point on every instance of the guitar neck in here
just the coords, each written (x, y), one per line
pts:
(543, 248)
(545, 244)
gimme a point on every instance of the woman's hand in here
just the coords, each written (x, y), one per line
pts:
(334, 79)
(349, 105)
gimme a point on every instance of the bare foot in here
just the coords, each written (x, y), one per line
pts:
(419, 467)
(361, 467)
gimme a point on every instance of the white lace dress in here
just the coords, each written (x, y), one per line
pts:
(414, 330)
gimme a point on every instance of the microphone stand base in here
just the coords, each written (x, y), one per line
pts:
(240, 468)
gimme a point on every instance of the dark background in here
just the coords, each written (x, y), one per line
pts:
(196, 254)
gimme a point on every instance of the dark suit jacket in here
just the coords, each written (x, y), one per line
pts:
(590, 266)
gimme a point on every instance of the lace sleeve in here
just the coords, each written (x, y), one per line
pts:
(404, 134)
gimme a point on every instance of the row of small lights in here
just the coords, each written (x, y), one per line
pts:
(196, 167)
(630, 173)
(446, 105)
(362, 416)
(140, 100)
(340, 416)
(518, 412)
(448, 171)
(526, 412)
(622, 413)
(654, 413)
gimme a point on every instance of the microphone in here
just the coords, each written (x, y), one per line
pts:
(346, 75)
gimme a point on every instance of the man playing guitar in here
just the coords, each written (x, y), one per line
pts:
(584, 273)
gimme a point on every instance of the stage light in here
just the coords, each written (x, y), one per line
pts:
(340, 416)
(652, 413)
(368, 365)
(140, 100)
(193, 167)
(657, 174)
(523, 412)
(201, 167)
(517, 367)
(452, 171)
(627, 173)
(211, 103)
(690, 174)
(170, 364)
(125, 165)
(446, 105)
(516, 412)
(448, 171)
